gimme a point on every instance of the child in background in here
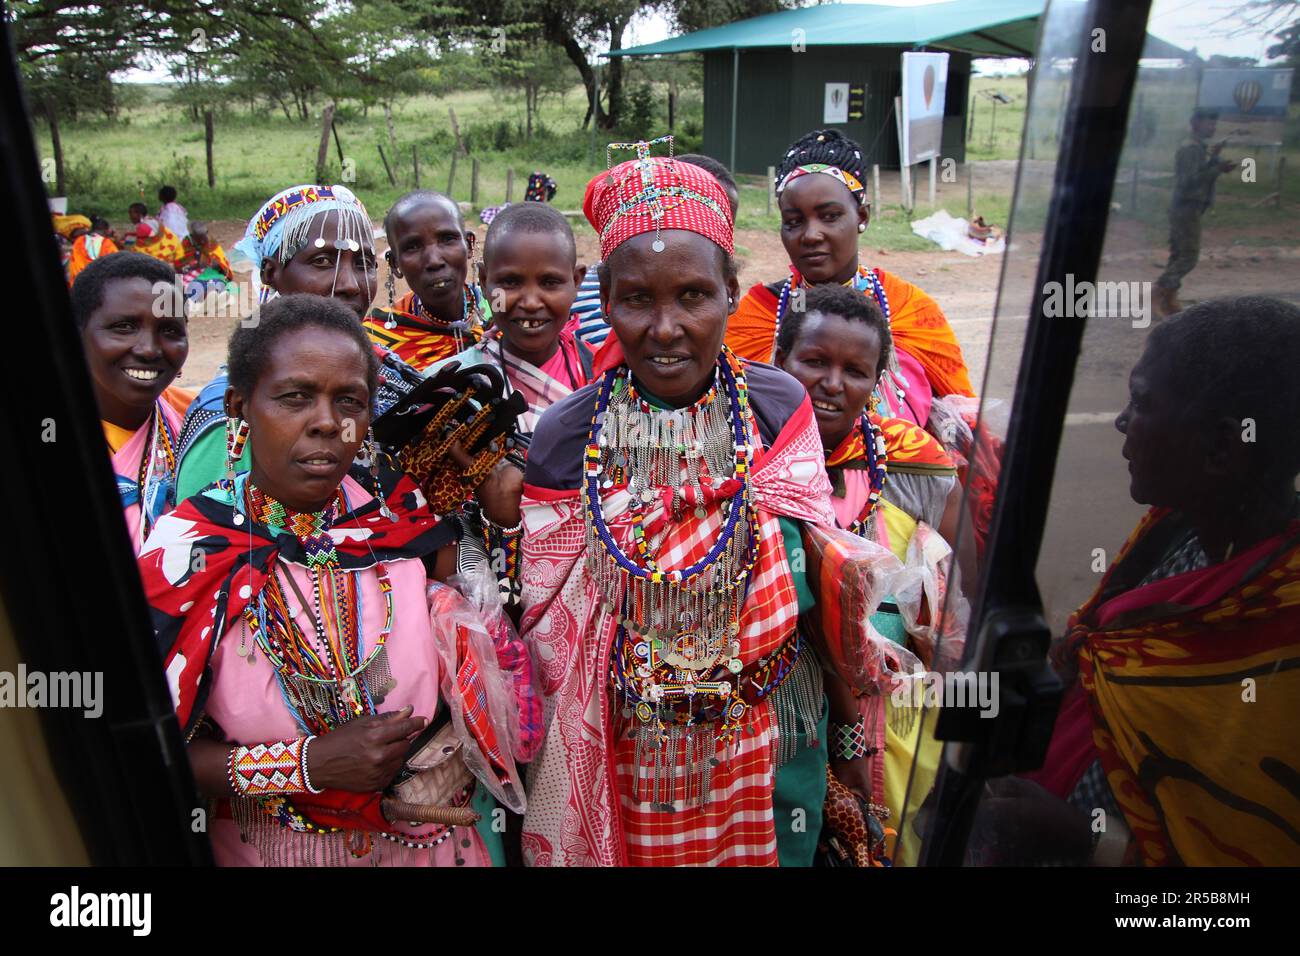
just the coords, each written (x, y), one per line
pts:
(530, 276)
(172, 214)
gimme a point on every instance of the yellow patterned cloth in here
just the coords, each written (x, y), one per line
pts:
(1194, 686)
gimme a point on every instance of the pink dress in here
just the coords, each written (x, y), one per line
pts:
(247, 704)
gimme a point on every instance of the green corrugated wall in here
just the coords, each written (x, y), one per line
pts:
(781, 95)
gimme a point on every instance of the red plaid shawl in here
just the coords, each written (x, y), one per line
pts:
(579, 810)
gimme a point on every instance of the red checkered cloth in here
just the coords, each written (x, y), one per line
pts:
(580, 809)
(656, 193)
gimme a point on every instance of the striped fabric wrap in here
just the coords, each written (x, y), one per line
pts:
(581, 808)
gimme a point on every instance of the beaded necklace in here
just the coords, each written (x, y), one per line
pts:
(157, 470)
(873, 440)
(324, 680)
(471, 317)
(676, 626)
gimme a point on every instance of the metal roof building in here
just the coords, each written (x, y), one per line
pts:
(764, 78)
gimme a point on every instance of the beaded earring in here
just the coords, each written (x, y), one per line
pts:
(391, 285)
(372, 454)
(236, 438)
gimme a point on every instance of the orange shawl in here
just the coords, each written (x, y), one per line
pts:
(916, 321)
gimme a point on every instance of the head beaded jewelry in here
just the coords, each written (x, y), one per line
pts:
(655, 193)
(391, 285)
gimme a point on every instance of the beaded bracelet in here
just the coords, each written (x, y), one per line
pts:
(505, 532)
(306, 777)
(849, 741)
(263, 769)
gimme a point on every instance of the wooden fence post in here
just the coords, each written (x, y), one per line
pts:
(451, 175)
(473, 182)
(392, 181)
(327, 122)
(415, 163)
(510, 184)
(207, 142)
(455, 128)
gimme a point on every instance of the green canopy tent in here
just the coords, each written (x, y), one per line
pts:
(790, 55)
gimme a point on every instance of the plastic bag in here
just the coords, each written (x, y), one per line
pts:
(934, 611)
(479, 696)
(480, 585)
(851, 576)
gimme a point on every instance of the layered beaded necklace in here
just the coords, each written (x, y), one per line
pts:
(471, 318)
(873, 441)
(675, 626)
(323, 677)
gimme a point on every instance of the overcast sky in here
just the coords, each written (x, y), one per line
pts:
(1204, 24)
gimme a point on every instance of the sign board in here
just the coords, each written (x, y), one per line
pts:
(925, 82)
(836, 106)
(1252, 103)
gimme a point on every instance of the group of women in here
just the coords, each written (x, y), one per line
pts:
(725, 532)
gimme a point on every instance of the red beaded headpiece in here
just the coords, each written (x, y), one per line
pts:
(653, 194)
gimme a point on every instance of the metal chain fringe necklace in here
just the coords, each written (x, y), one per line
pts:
(683, 623)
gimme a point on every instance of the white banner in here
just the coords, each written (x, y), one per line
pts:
(925, 82)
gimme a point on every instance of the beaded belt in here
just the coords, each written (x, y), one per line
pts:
(757, 681)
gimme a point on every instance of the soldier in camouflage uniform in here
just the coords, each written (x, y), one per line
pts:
(1196, 167)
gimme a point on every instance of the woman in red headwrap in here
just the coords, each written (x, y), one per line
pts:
(662, 505)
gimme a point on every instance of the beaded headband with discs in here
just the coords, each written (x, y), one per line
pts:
(655, 193)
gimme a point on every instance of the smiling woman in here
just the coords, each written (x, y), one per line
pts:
(134, 354)
(292, 610)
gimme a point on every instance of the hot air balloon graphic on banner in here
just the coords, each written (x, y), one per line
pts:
(1251, 103)
(925, 79)
(1246, 94)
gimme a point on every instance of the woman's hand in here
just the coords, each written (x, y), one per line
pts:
(499, 493)
(364, 754)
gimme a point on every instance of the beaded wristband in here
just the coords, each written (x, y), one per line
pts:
(849, 741)
(265, 769)
(506, 532)
(306, 777)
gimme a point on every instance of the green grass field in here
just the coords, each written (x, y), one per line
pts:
(111, 164)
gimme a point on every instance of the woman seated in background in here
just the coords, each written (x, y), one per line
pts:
(443, 313)
(1181, 722)
(894, 484)
(134, 355)
(291, 610)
